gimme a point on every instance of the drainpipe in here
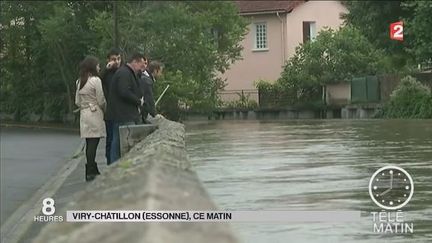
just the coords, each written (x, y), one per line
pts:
(283, 44)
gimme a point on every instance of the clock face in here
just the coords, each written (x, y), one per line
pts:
(391, 187)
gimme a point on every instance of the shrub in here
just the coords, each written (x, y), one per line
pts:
(274, 95)
(243, 103)
(410, 99)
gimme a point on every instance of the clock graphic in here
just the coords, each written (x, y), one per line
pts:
(391, 187)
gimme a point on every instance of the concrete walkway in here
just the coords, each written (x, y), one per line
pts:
(69, 180)
(75, 182)
(29, 158)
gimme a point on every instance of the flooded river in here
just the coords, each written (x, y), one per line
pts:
(313, 165)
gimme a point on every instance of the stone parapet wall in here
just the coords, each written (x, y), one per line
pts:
(155, 175)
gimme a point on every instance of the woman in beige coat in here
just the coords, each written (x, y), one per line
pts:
(90, 99)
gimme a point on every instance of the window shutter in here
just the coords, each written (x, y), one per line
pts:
(306, 31)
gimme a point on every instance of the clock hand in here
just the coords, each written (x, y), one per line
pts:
(386, 191)
(391, 181)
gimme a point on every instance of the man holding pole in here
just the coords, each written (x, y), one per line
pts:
(154, 71)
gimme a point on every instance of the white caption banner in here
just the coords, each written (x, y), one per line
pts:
(211, 216)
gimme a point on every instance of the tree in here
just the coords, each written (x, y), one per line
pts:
(373, 19)
(419, 30)
(42, 44)
(194, 40)
(65, 40)
(19, 80)
(335, 56)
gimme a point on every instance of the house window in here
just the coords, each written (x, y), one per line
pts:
(309, 31)
(261, 36)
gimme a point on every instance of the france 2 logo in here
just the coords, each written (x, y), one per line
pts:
(396, 31)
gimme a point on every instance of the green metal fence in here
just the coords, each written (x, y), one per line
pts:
(365, 89)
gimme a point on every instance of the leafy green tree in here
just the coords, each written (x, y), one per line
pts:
(20, 89)
(65, 39)
(335, 56)
(373, 19)
(194, 40)
(419, 30)
(42, 44)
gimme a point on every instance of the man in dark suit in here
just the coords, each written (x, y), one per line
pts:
(147, 80)
(124, 99)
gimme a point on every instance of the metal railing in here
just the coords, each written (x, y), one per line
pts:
(235, 95)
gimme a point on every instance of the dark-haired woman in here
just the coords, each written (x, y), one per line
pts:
(91, 101)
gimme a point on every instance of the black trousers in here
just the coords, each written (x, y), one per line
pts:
(91, 147)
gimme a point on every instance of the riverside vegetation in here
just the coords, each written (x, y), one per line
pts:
(410, 99)
(42, 44)
(356, 50)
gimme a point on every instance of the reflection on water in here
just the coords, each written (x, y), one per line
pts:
(312, 165)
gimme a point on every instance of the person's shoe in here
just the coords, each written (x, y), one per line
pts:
(96, 169)
(91, 171)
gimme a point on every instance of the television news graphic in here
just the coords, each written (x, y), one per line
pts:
(391, 188)
(396, 31)
(211, 216)
(48, 210)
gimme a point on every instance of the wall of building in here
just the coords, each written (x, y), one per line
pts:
(284, 34)
(324, 13)
(337, 94)
(258, 64)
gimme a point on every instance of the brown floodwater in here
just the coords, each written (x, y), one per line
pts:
(312, 165)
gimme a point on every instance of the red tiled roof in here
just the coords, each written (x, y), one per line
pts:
(266, 6)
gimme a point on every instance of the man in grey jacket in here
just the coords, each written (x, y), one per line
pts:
(154, 71)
